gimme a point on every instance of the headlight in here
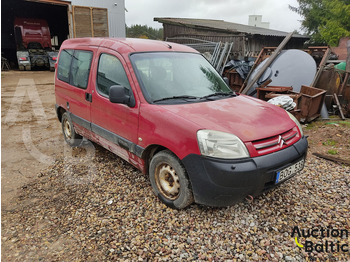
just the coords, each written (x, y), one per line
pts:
(221, 145)
(297, 122)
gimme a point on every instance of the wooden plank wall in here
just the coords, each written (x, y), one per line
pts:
(100, 22)
(82, 21)
(90, 22)
(243, 44)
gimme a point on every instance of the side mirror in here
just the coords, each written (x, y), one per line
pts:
(226, 80)
(120, 95)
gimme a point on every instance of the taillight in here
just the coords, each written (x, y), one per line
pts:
(23, 58)
(54, 58)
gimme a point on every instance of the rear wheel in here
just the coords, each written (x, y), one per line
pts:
(71, 137)
(169, 180)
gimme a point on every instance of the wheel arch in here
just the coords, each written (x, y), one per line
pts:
(60, 111)
(150, 151)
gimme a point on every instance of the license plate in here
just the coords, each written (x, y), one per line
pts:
(289, 171)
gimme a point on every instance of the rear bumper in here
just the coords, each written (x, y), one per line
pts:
(24, 63)
(220, 182)
(39, 60)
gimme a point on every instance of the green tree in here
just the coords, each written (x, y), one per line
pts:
(144, 31)
(325, 20)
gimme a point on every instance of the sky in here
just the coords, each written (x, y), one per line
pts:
(276, 12)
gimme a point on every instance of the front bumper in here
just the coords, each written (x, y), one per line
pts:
(222, 182)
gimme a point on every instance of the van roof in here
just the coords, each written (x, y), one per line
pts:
(127, 45)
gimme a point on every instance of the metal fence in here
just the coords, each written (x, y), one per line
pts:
(217, 53)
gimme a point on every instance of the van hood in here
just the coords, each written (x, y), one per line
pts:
(246, 117)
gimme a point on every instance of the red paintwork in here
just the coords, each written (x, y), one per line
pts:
(248, 118)
(171, 126)
(34, 30)
(117, 118)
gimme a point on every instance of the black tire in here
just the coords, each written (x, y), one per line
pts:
(169, 180)
(72, 138)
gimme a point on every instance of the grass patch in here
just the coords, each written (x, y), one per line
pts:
(339, 123)
(332, 152)
(313, 125)
(309, 126)
(329, 142)
(345, 123)
(332, 123)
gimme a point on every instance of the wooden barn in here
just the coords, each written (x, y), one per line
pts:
(247, 40)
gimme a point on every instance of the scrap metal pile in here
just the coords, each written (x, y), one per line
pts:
(304, 82)
(314, 84)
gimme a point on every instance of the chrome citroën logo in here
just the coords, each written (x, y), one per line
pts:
(281, 141)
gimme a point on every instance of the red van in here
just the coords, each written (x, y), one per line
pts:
(163, 108)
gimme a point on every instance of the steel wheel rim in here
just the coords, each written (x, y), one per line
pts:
(168, 181)
(67, 129)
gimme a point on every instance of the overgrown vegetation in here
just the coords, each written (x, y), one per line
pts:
(326, 21)
(144, 31)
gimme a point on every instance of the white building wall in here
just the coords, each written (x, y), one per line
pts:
(256, 20)
(116, 14)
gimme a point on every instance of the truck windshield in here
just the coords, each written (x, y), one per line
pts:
(171, 77)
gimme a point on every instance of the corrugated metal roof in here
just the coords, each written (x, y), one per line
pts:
(223, 26)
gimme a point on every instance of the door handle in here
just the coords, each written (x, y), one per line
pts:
(88, 97)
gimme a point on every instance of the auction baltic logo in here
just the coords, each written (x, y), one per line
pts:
(320, 245)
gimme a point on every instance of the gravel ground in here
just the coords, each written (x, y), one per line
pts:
(104, 209)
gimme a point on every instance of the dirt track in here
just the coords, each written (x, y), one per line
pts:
(30, 131)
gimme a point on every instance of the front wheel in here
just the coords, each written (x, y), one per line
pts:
(72, 138)
(169, 180)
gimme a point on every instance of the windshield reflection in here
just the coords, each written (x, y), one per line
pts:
(165, 75)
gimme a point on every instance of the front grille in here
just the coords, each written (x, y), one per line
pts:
(275, 143)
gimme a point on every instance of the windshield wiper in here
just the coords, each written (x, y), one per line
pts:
(220, 94)
(175, 97)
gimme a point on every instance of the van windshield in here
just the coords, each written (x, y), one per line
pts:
(170, 77)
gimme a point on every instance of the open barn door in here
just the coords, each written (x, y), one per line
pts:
(90, 21)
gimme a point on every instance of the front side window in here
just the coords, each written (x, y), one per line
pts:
(64, 63)
(178, 76)
(110, 72)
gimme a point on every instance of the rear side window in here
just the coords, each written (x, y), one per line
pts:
(74, 67)
(64, 65)
(110, 72)
(80, 68)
